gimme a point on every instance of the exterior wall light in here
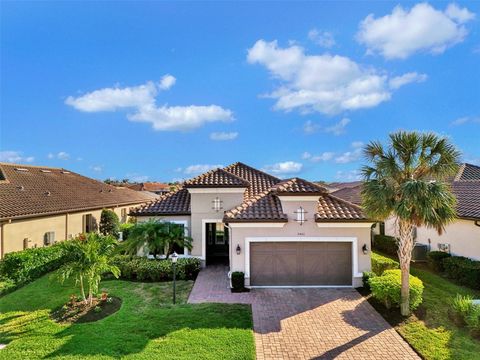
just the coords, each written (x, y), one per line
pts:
(217, 204)
(365, 249)
(300, 215)
(238, 249)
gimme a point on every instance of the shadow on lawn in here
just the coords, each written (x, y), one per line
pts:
(125, 333)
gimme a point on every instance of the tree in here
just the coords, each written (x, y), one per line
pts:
(158, 236)
(109, 223)
(408, 180)
(88, 258)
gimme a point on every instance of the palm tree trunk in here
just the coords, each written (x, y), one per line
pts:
(82, 289)
(405, 247)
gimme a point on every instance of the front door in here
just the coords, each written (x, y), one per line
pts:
(217, 243)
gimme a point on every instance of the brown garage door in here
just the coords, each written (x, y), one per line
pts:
(300, 263)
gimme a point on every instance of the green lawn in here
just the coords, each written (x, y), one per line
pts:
(436, 337)
(147, 326)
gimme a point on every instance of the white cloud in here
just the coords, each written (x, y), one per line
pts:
(284, 168)
(351, 175)
(200, 169)
(338, 128)
(223, 136)
(398, 81)
(420, 29)
(167, 81)
(328, 84)
(142, 100)
(15, 157)
(325, 156)
(310, 127)
(466, 120)
(322, 38)
(306, 155)
(137, 177)
(352, 155)
(97, 168)
(62, 155)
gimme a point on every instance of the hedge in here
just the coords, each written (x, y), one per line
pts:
(435, 260)
(463, 270)
(381, 263)
(386, 244)
(387, 289)
(144, 269)
(24, 266)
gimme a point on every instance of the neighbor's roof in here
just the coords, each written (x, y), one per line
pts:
(29, 191)
(150, 186)
(351, 194)
(261, 201)
(468, 172)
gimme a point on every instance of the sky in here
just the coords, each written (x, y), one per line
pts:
(163, 91)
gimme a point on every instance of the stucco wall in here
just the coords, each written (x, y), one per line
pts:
(65, 226)
(462, 235)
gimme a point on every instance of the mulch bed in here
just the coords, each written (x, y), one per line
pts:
(79, 312)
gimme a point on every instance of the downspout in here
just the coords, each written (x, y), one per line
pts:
(2, 237)
(229, 253)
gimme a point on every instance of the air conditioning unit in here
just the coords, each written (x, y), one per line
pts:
(444, 247)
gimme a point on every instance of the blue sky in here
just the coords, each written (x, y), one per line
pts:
(161, 91)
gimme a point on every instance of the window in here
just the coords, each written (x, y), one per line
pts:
(123, 215)
(217, 204)
(89, 223)
(300, 215)
(217, 234)
(49, 238)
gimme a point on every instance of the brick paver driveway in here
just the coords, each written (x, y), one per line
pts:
(308, 323)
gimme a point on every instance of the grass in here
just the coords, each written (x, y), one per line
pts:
(434, 336)
(147, 326)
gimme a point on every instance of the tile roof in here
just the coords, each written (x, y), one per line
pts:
(173, 203)
(259, 181)
(262, 207)
(468, 199)
(468, 172)
(296, 186)
(28, 191)
(331, 208)
(150, 186)
(350, 194)
(216, 178)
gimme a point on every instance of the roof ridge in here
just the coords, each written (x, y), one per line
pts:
(223, 172)
(250, 201)
(344, 201)
(3, 163)
(239, 163)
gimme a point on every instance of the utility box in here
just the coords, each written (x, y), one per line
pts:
(419, 252)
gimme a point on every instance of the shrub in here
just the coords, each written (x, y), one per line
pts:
(27, 265)
(473, 320)
(109, 223)
(435, 260)
(386, 244)
(143, 269)
(386, 288)
(125, 229)
(238, 281)
(7, 285)
(381, 263)
(366, 276)
(461, 306)
(463, 270)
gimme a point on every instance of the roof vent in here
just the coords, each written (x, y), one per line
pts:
(21, 169)
(21, 188)
(65, 172)
(45, 171)
(48, 193)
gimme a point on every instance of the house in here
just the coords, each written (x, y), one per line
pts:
(278, 232)
(462, 237)
(41, 205)
(152, 187)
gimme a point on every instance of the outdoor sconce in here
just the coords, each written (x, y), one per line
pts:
(238, 249)
(365, 249)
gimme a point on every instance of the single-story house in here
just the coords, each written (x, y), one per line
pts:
(462, 237)
(278, 232)
(42, 205)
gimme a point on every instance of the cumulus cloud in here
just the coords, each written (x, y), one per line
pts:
(310, 127)
(62, 155)
(193, 170)
(15, 157)
(350, 156)
(142, 101)
(399, 81)
(323, 38)
(421, 29)
(284, 168)
(97, 168)
(338, 128)
(329, 84)
(352, 175)
(223, 136)
(466, 120)
(137, 177)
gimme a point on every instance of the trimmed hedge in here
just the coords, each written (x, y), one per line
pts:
(463, 270)
(386, 244)
(143, 269)
(366, 276)
(24, 266)
(435, 260)
(381, 263)
(387, 289)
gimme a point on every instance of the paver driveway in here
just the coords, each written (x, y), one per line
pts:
(308, 323)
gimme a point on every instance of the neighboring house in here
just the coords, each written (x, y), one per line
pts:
(278, 232)
(40, 205)
(153, 187)
(461, 237)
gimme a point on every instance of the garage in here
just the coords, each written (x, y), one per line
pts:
(300, 263)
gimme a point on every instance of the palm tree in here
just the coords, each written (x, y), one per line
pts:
(158, 236)
(408, 180)
(88, 258)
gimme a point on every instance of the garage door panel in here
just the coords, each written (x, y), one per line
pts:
(300, 263)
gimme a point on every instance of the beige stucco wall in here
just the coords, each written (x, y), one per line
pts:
(64, 225)
(462, 235)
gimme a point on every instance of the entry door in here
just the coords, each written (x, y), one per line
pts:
(217, 243)
(300, 263)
